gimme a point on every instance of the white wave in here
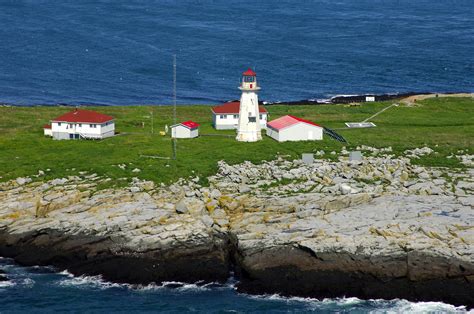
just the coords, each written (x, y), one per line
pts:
(66, 273)
(5, 284)
(386, 306)
(346, 95)
(87, 282)
(26, 282)
(404, 306)
(98, 282)
(278, 297)
(181, 286)
(323, 100)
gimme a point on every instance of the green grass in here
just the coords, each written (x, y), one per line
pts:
(445, 122)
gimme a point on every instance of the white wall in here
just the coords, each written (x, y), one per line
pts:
(87, 129)
(273, 134)
(229, 122)
(180, 131)
(297, 132)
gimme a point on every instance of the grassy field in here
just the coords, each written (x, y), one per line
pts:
(444, 124)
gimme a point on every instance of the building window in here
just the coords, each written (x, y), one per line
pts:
(59, 123)
(236, 116)
(223, 116)
(93, 126)
(261, 116)
(249, 79)
(79, 124)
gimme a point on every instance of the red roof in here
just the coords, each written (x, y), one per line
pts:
(86, 116)
(190, 124)
(46, 126)
(249, 72)
(286, 121)
(233, 108)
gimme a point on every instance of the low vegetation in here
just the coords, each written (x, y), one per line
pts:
(444, 124)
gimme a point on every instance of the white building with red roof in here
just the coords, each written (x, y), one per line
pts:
(291, 128)
(226, 116)
(81, 124)
(186, 129)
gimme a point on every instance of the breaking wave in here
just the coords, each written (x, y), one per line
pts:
(196, 296)
(97, 282)
(371, 306)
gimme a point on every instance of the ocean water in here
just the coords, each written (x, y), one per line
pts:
(42, 289)
(120, 52)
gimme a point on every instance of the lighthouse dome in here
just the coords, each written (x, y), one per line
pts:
(249, 80)
(249, 72)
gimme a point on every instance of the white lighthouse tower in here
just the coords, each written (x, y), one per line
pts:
(248, 129)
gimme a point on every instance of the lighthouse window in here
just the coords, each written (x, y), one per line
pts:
(249, 79)
(252, 119)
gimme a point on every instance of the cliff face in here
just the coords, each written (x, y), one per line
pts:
(397, 254)
(125, 237)
(375, 229)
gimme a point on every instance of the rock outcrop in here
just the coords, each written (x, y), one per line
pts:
(136, 238)
(378, 228)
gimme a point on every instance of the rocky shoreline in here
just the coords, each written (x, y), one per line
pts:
(376, 228)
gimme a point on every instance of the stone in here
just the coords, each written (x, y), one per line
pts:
(355, 156)
(22, 181)
(345, 189)
(215, 194)
(59, 181)
(181, 207)
(307, 158)
(243, 188)
(207, 220)
(134, 189)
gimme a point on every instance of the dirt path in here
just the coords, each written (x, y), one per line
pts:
(416, 98)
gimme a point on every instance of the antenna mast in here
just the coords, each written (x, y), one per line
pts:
(174, 103)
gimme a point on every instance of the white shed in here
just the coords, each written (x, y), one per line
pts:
(47, 130)
(290, 128)
(187, 129)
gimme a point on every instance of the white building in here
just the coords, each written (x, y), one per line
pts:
(248, 128)
(81, 124)
(226, 116)
(47, 130)
(187, 129)
(290, 128)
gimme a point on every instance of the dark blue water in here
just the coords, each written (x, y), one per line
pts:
(41, 289)
(120, 52)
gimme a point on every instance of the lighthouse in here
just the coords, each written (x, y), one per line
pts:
(248, 129)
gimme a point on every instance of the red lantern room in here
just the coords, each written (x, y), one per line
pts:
(249, 80)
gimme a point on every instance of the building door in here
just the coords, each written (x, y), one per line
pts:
(310, 135)
(71, 136)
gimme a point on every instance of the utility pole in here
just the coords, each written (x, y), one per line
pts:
(174, 104)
